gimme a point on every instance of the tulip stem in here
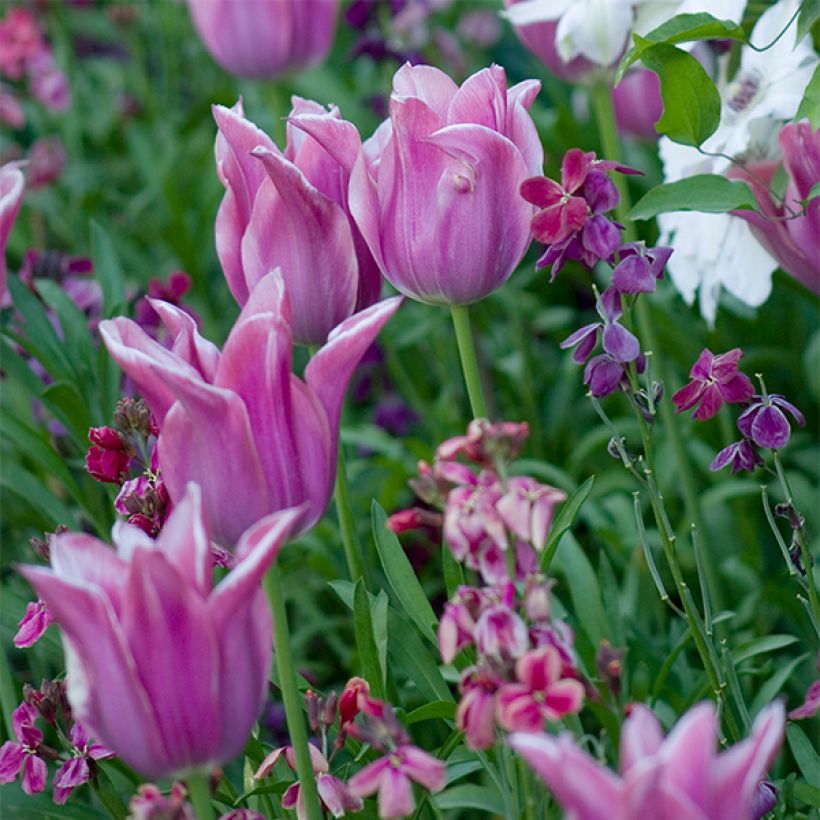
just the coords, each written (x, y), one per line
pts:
(290, 694)
(347, 526)
(469, 362)
(611, 146)
(199, 790)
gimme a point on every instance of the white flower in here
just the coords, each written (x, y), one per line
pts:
(720, 250)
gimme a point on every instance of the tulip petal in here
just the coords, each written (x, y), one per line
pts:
(520, 128)
(395, 794)
(482, 100)
(168, 629)
(12, 183)
(579, 784)
(427, 84)
(296, 227)
(188, 344)
(641, 736)
(124, 718)
(338, 137)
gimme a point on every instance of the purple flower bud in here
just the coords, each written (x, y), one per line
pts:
(603, 375)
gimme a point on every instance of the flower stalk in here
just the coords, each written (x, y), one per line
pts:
(199, 790)
(469, 362)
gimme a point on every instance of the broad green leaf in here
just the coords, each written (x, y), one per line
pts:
(470, 796)
(770, 689)
(401, 576)
(365, 640)
(32, 490)
(804, 752)
(810, 104)
(564, 520)
(807, 793)
(809, 15)
(762, 646)
(707, 193)
(18, 368)
(437, 710)
(691, 102)
(108, 270)
(683, 28)
(415, 659)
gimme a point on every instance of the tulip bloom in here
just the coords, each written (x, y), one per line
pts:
(439, 205)
(239, 423)
(165, 670)
(11, 197)
(288, 209)
(680, 776)
(264, 38)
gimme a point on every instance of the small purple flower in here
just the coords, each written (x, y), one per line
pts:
(603, 375)
(33, 624)
(77, 769)
(765, 423)
(640, 268)
(741, 455)
(715, 380)
(23, 754)
(811, 703)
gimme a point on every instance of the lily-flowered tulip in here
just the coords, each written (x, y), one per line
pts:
(438, 204)
(637, 103)
(264, 38)
(680, 776)
(11, 197)
(165, 670)
(239, 420)
(289, 209)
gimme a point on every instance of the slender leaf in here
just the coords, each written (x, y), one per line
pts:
(108, 270)
(691, 102)
(437, 710)
(378, 612)
(65, 401)
(762, 646)
(365, 640)
(33, 491)
(414, 659)
(804, 752)
(708, 193)
(401, 576)
(471, 796)
(564, 520)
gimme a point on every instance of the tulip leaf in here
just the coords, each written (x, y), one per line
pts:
(683, 28)
(809, 15)
(770, 689)
(366, 641)
(691, 102)
(108, 270)
(402, 578)
(564, 520)
(762, 646)
(804, 753)
(810, 104)
(437, 710)
(707, 193)
(451, 570)
(31, 489)
(471, 796)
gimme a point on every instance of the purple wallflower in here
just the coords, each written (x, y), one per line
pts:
(640, 268)
(715, 380)
(77, 769)
(741, 455)
(765, 423)
(23, 755)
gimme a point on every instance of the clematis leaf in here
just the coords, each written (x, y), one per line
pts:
(707, 193)
(809, 15)
(810, 104)
(691, 102)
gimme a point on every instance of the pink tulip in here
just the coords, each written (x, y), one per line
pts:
(239, 423)
(165, 670)
(265, 38)
(439, 206)
(791, 240)
(539, 38)
(11, 197)
(638, 104)
(289, 210)
(679, 777)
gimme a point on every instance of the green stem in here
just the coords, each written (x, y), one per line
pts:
(611, 146)
(290, 694)
(469, 362)
(344, 509)
(199, 790)
(800, 537)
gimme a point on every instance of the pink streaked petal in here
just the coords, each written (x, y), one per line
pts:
(291, 797)
(74, 772)
(724, 366)
(549, 224)
(702, 368)
(186, 542)
(539, 668)
(33, 624)
(188, 344)
(336, 796)
(711, 401)
(367, 780)
(12, 183)
(338, 137)
(423, 767)
(541, 191)
(688, 396)
(363, 202)
(481, 100)
(737, 390)
(641, 737)
(395, 794)
(811, 704)
(583, 788)
(35, 773)
(517, 710)
(563, 698)
(426, 83)
(24, 717)
(520, 128)
(735, 774)
(11, 760)
(574, 168)
(770, 428)
(267, 765)
(172, 639)
(475, 716)
(98, 752)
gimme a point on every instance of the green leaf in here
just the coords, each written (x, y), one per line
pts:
(691, 102)
(64, 400)
(803, 751)
(437, 710)
(770, 689)
(108, 270)
(378, 613)
(32, 490)
(683, 28)
(809, 15)
(470, 796)
(807, 793)
(365, 640)
(401, 576)
(809, 108)
(762, 646)
(451, 570)
(564, 520)
(707, 193)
